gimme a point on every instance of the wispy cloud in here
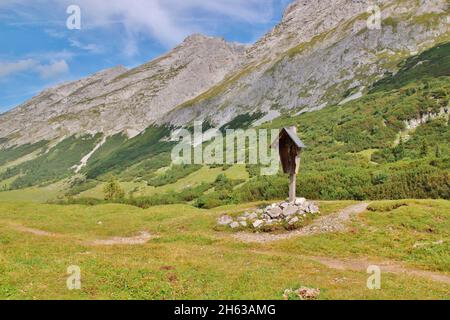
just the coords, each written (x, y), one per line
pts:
(167, 21)
(53, 69)
(45, 71)
(9, 68)
(90, 47)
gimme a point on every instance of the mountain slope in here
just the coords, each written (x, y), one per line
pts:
(321, 52)
(391, 143)
(333, 54)
(120, 100)
(372, 110)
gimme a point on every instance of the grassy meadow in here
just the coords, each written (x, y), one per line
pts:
(188, 259)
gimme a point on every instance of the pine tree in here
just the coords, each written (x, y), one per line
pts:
(112, 190)
(424, 149)
(438, 151)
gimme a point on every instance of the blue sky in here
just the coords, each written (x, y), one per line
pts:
(38, 50)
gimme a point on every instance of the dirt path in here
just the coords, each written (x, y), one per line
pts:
(362, 264)
(336, 222)
(140, 239)
(386, 267)
(36, 232)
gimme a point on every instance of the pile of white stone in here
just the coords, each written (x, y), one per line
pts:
(284, 213)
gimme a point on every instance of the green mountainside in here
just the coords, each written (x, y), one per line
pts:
(392, 143)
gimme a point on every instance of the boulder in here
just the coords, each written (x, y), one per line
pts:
(253, 216)
(313, 209)
(258, 223)
(293, 221)
(234, 225)
(290, 210)
(284, 205)
(305, 293)
(275, 213)
(300, 201)
(244, 224)
(224, 220)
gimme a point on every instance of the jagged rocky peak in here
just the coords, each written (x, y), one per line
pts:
(197, 40)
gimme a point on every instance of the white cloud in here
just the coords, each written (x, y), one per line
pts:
(9, 68)
(91, 47)
(45, 71)
(167, 21)
(170, 21)
(53, 70)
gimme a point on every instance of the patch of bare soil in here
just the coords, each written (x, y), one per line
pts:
(140, 239)
(36, 232)
(388, 267)
(336, 222)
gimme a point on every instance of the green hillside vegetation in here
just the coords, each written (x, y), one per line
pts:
(361, 150)
(335, 165)
(133, 151)
(53, 165)
(14, 153)
(432, 63)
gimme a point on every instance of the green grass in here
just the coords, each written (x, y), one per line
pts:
(204, 175)
(189, 260)
(35, 194)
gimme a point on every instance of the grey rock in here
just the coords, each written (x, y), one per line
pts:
(253, 216)
(284, 205)
(224, 220)
(275, 212)
(234, 225)
(293, 221)
(258, 223)
(313, 209)
(290, 210)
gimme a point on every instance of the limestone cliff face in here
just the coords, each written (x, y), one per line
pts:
(321, 53)
(120, 100)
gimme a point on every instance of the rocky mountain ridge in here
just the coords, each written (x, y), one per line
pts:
(321, 53)
(120, 100)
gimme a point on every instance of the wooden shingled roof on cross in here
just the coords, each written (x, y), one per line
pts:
(290, 147)
(292, 133)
